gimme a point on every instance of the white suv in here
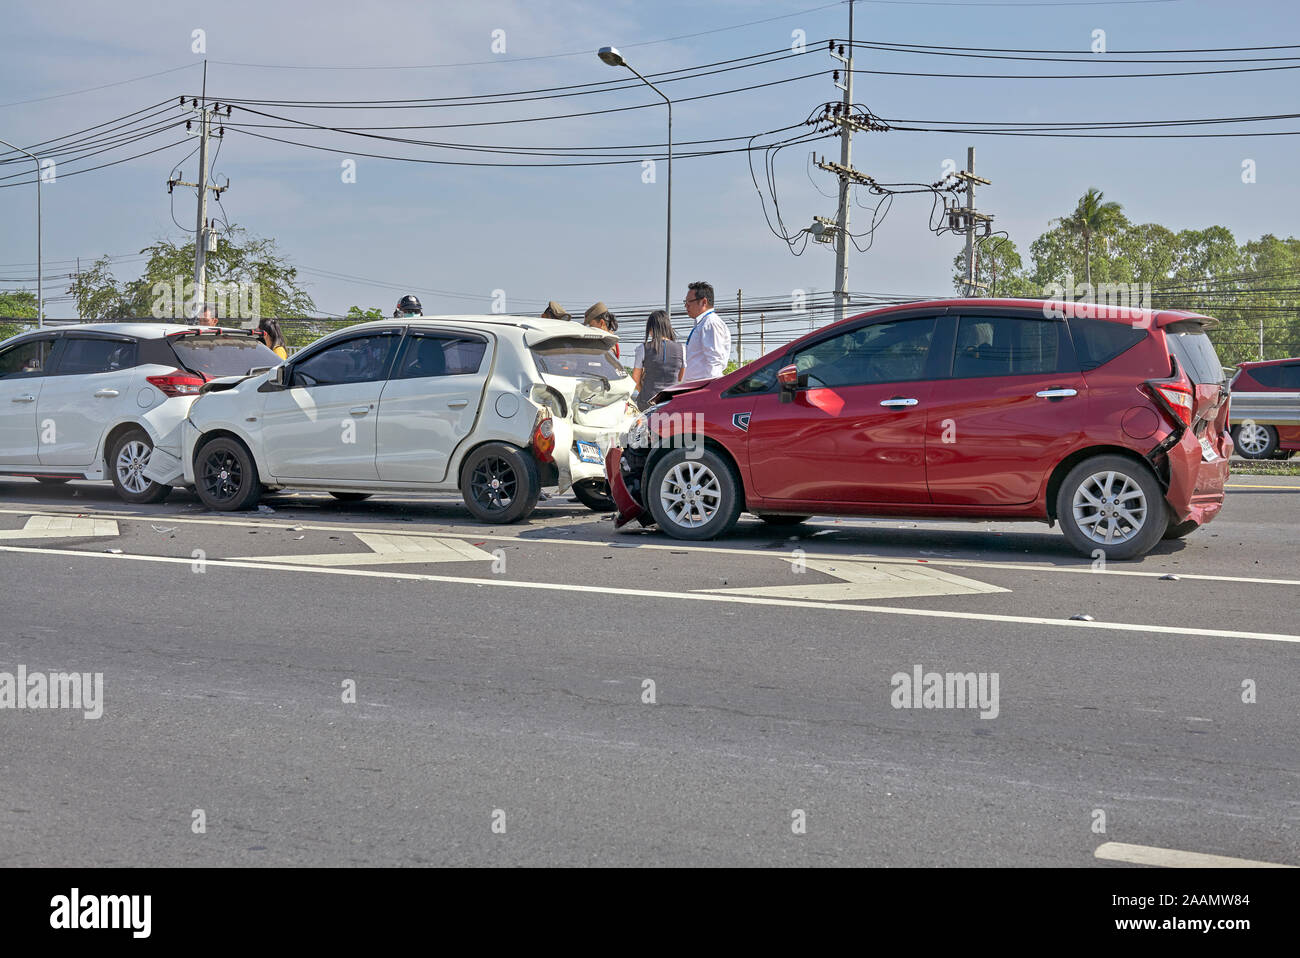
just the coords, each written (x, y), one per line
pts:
(92, 401)
(494, 407)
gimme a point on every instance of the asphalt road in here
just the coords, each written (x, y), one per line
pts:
(501, 678)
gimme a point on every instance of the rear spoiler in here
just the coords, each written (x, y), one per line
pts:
(538, 337)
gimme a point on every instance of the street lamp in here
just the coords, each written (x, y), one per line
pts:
(40, 270)
(612, 57)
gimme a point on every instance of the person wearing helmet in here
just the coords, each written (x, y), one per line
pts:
(408, 305)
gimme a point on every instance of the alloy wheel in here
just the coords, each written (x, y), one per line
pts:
(1253, 438)
(690, 494)
(222, 475)
(132, 459)
(494, 484)
(1109, 507)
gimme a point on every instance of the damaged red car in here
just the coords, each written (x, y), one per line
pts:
(1110, 421)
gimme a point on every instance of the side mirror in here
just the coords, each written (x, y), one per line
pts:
(790, 381)
(279, 379)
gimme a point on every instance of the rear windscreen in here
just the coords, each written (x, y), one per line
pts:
(1194, 352)
(217, 356)
(577, 357)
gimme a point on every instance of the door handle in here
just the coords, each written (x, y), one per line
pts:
(106, 394)
(23, 399)
(458, 403)
(1056, 393)
(360, 410)
(898, 403)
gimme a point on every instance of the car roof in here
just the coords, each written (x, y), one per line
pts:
(138, 330)
(1257, 363)
(1054, 308)
(535, 330)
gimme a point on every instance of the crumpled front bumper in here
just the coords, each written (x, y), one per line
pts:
(618, 477)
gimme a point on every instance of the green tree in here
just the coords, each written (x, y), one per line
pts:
(364, 315)
(19, 304)
(998, 267)
(1093, 217)
(238, 259)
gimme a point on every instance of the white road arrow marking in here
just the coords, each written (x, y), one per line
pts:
(866, 580)
(61, 527)
(388, 550)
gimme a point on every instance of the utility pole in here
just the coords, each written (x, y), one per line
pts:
(204, 237)
(40, 245)
(740, 329)
(846, 151)
(762, 334)
(971, 219)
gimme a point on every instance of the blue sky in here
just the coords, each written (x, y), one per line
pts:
(582, 234)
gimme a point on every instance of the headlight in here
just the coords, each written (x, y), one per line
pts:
(638, 435)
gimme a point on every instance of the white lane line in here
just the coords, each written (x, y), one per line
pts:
(679, 596)
(61, 527)
(1085, 568)
(1172, 858)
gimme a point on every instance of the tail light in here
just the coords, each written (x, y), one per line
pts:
(1177, 399)
(177, 383)
(544, 439)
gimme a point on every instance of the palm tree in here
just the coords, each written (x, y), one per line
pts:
(1093, 216)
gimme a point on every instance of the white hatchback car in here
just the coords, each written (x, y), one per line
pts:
(493, 407)
(91, 401)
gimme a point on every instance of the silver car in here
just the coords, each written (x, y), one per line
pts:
(493, 407)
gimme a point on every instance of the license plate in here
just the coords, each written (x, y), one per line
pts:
(590, 452)
(1207, 451)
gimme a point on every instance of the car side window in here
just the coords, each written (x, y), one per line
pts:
(25, 360)
(440, 355)
(1006, 346)
(82, 356)
(362, 359)
(878, 353)
(1278, 377)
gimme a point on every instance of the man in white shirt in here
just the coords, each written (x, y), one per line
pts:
(708, 347)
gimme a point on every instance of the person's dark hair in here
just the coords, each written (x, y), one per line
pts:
(612, 320)
(658, 327)
(272, 327)
(703, 291)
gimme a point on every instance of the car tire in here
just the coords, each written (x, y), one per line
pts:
(225, 475)
(500, 483)
(706, 476)
(351, 496)
(51, 480)
(1254, 441)
(127, 458)
(775, 520)
(1082, 506)
(1180, 530)
(594, 494)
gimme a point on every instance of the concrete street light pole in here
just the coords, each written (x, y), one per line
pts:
(612, 57)
(40, 265)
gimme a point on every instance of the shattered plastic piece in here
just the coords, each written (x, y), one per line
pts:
(1082, 617)
(1169, 578)
(116, 552)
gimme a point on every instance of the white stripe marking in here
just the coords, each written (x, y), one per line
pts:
(1172, 858)
(1085, 568)
(680, 596)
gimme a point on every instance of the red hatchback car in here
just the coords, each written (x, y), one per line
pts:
(1115, 426)
(1266, 409)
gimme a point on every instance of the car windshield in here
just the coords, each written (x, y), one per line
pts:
(579, 358)
(217, 356)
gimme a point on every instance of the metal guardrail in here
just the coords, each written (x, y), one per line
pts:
(1267, 409)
